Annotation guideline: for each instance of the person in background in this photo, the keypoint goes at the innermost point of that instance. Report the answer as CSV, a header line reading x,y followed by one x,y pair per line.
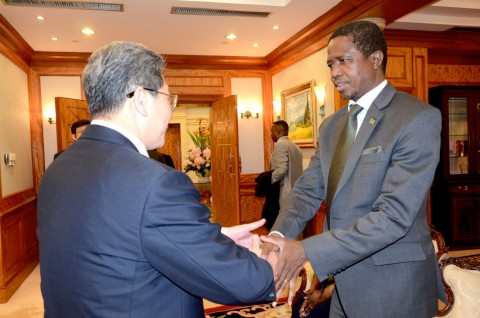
x,y
376,240
77,130
161,157
122,235
315,302
285,168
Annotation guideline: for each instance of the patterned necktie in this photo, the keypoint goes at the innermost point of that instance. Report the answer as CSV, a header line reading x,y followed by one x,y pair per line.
x,y
345,142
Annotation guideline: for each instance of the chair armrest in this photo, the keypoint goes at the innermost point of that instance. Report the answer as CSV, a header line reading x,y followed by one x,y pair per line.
x,y
461,277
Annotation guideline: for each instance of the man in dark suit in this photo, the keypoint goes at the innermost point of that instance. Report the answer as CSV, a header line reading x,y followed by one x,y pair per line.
x,y
122,235
376,242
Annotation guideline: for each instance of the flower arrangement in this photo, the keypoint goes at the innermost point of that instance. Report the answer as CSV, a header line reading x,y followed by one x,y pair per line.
x,y
198,158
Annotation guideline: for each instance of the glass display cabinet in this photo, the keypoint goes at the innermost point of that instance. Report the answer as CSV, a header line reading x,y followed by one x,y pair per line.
x,y
455,194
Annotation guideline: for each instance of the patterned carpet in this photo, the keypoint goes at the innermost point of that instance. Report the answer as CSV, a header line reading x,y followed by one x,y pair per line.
x,y
259,311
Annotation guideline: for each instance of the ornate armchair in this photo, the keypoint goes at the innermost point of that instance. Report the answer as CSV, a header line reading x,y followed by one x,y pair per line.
x,y
461,278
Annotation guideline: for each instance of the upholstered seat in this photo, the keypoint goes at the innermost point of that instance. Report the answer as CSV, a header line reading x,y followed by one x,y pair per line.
x,y
461,277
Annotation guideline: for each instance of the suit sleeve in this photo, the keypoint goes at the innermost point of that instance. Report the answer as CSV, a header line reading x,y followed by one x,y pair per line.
x,y
180,242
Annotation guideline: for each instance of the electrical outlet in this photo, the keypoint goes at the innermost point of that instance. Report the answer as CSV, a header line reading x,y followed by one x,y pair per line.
x,y
10,158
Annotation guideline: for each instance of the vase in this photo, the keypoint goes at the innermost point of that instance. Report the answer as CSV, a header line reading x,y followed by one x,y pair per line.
x,y
202,179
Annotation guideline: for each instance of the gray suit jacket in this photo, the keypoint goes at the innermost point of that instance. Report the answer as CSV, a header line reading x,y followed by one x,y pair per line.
x,y
379,247
286,163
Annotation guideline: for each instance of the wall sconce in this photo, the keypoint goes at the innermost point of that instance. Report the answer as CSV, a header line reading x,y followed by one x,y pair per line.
x,y
50,115
320,96
248,114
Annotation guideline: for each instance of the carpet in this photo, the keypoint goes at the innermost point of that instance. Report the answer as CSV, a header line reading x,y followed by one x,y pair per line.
x,y
259,311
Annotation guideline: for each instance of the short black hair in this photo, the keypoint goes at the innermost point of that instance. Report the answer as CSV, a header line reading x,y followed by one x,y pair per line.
x,y
366,36
79,123
282,124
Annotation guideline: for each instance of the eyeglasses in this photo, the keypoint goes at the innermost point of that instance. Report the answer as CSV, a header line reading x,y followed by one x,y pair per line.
x,y
172,98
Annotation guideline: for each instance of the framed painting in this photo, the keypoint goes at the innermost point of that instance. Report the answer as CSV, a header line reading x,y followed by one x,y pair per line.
x,y
298,110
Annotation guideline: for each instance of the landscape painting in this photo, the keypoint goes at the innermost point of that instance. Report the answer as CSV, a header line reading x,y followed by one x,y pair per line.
x,y
298,110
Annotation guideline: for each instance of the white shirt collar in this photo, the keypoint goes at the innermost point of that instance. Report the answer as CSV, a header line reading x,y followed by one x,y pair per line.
x,y
135,141
366,100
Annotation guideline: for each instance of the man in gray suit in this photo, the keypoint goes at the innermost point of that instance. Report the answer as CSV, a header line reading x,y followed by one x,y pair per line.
x,y
286,161
378,245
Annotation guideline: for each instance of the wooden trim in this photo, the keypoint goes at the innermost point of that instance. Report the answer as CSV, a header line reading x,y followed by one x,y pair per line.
x,y
315,36
460,40
445,74
16,199
36,127
420,73
13,46
216,62
70,60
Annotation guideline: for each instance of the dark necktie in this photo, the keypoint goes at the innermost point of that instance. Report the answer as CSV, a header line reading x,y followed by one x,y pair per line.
x,y
345,142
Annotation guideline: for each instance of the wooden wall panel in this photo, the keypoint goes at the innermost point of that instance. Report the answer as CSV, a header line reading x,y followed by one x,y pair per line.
x,y
400,66
420,73
19,244
446,74
250,205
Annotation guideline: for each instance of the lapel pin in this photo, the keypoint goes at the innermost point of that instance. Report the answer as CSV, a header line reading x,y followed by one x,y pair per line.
x,y
372,121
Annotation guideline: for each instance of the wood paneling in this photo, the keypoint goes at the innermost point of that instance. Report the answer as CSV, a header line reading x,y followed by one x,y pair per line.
x,y
68,111
250,205
400,67
216,62
315,36
18,241
446,74
173,145
36,127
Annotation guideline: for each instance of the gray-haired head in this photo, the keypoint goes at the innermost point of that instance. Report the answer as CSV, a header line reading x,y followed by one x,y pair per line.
x,y
115,70
367,37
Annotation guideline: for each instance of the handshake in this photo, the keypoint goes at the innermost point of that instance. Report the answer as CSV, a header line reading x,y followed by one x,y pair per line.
x,y
287,257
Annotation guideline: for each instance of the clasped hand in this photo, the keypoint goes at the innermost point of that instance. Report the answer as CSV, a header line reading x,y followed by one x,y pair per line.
x,y
287,257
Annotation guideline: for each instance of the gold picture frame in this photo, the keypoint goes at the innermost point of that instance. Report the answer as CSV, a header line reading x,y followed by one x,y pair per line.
x,y
299,111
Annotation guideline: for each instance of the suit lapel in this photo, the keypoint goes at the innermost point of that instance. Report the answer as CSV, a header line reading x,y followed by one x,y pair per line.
x,y
369,124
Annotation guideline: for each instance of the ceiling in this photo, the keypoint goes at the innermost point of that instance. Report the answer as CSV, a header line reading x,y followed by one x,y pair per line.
x,y
150,22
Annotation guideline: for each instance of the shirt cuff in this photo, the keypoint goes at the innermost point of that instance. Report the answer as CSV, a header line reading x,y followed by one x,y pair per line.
x,y
276,232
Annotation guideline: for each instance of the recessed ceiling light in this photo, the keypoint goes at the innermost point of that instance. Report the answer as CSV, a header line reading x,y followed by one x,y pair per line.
x,y
231,36
54,38
40,17
88,31
276,27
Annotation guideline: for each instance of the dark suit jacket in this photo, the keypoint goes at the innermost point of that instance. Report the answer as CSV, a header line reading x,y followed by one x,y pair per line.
x,y
122,235
161,157
379,247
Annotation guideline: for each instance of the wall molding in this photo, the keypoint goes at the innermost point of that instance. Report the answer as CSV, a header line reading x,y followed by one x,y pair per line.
x,y
445,74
